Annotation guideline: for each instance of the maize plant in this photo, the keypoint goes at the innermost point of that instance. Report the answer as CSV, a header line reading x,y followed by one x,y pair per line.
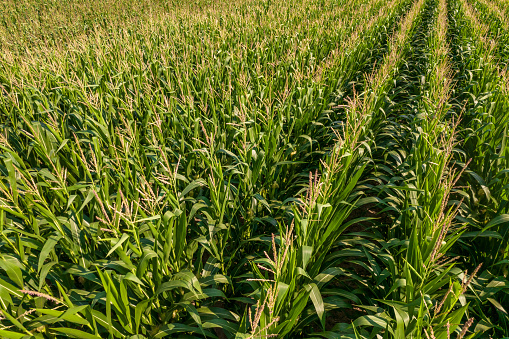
x,y
254,169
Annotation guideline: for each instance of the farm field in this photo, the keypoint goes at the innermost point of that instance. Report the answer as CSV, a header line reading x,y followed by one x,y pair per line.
x,y
254,169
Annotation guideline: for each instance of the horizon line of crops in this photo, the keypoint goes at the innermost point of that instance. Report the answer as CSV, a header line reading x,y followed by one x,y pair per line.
x,y
106,35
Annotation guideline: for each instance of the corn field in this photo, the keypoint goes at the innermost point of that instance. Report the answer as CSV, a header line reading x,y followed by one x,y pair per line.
x,y
254,169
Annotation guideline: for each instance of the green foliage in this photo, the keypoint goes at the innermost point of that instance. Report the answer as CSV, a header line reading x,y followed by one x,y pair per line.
x,y
253,169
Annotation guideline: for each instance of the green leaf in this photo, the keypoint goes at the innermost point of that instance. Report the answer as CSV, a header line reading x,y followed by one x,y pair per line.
x,y
131,277
74,333
47,248
501,219
327,275
138,311
124,237
497,305
10,288
175,328
316,298
307,252
171,285
11,335
371,320
10,266
295,311
180,234
64,316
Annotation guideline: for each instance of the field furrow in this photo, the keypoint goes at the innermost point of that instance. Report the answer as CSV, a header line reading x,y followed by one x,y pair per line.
x,y
414,179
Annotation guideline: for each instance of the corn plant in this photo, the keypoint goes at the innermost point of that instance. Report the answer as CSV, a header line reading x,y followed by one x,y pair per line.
x,y
253,168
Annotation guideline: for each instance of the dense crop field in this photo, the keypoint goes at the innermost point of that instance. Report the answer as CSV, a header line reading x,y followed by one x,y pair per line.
x,y
254,169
